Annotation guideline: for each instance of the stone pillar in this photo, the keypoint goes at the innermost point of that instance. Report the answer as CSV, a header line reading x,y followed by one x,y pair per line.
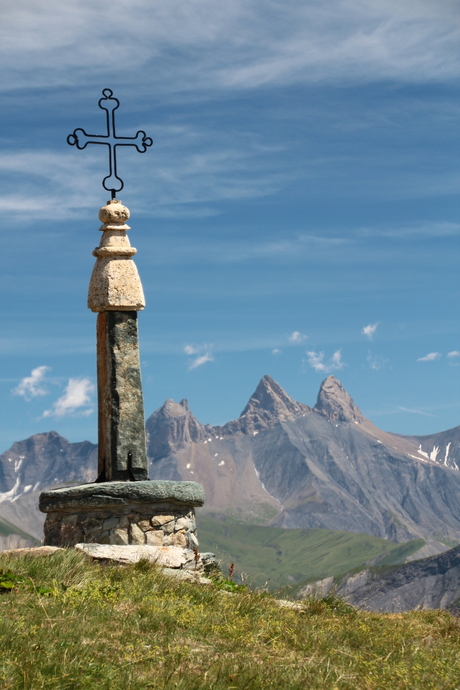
x,y
115,292
122,508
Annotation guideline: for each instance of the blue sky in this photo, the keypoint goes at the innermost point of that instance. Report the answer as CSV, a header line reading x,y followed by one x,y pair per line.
x,y
297,215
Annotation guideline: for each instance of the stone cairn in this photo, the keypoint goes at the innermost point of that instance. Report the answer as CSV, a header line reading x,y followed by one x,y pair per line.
x,y
122,507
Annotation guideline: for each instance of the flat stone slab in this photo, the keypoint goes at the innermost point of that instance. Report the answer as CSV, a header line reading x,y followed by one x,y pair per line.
x,y
165,556
32,551
107,494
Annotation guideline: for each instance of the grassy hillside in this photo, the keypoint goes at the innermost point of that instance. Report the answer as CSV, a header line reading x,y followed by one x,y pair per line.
x,y
6,528
67,623
279,557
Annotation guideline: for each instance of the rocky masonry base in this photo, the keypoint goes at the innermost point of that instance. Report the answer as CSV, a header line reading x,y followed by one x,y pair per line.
x,y
163,524
157,513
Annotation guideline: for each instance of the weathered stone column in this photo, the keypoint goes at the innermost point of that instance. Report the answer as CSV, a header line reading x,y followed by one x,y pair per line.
x,y
115,292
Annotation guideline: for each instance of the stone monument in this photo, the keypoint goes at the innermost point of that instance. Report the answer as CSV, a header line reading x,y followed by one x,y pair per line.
x,y
122,507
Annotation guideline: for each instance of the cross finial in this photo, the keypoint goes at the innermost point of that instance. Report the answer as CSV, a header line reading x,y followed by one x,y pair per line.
x,y
79,138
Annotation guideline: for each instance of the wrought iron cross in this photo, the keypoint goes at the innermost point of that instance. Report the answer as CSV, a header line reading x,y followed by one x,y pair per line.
x,y
79,138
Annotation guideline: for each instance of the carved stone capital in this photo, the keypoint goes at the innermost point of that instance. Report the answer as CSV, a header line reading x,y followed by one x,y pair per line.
x,y
115,284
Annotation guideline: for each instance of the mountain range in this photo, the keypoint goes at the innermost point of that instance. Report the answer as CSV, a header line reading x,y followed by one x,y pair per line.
x,y
281,463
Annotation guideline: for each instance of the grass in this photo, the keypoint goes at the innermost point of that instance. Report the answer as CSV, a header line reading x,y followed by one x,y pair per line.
x,y
284,557
132,627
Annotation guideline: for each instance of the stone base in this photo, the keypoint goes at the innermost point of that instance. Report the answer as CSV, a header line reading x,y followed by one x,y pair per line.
x,y
153,513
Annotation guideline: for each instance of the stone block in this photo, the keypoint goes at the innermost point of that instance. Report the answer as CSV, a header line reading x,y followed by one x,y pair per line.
x,y
192,541
111,522
154,537
122,493
185,523
159,520
177,539
69,534
168,527
119,537
145,525
91,523
70,520
166,556
103,538
136,535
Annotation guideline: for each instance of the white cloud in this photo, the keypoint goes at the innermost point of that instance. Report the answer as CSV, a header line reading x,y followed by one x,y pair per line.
x,y
190,350
297,338
32,386
199,361
203,352
376,362
430,357
369,330
316,361
276,351
454,353
76,395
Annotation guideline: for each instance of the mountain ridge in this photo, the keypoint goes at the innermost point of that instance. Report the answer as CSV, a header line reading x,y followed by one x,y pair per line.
x,y
281,463
427,583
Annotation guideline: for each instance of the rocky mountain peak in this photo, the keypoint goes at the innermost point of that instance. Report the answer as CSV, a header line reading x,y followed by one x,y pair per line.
x,y
270,397
335,403
42,460
174,409
171,427
268,405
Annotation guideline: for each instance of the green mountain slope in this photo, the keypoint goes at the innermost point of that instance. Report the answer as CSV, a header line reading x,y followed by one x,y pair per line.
x,y
281,557
7,528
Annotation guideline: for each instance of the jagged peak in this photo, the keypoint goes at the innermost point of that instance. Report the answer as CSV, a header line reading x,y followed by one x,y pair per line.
x,y
336,404
171,427
270,397
170,408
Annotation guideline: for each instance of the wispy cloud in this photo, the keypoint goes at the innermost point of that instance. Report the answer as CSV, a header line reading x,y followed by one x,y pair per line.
x,y
239,44
412,411
203,355
296,249
276,351
76,395
427,229
369,330
54,182
210,169
430,357
454,353
202,359
376,362
317,362
32,386
297,338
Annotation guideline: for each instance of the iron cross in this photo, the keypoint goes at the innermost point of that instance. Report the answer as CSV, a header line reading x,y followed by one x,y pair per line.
x,y
79,138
